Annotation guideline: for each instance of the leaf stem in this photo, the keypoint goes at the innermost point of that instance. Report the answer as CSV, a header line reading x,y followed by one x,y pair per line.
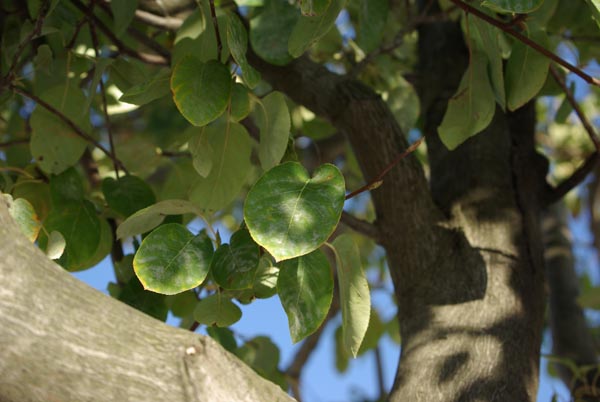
x,y
215,22
509,29
377,181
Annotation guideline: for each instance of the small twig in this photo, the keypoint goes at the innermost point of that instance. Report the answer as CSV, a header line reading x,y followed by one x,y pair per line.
x,y
215,22
377,181
584,121
175,154
574,180
508,28
78,27
78,130
158,21
103,96
13,142
379,368
361,226
37,29
145,57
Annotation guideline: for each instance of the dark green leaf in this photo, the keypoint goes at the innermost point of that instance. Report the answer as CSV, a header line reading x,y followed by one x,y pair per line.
x,y
224,336
305,287
127,194
308,30
371,22
313,8
270,30
513,6
217,310
291,214
66,187
171,260
155,88
234,265
240,103
237,38
148,302
123,13
273,119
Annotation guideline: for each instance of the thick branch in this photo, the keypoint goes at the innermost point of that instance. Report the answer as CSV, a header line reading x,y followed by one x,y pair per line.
x,y
61,340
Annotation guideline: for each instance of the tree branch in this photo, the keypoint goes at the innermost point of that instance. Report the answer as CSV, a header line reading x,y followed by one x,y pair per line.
x,y
361,226
78,130
509,29
573,181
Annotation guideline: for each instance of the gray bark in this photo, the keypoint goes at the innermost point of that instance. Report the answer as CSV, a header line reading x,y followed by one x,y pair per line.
x,y
61,340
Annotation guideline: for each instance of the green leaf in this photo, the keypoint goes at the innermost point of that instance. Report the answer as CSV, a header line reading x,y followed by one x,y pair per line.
x,y
291,214
313,8
472,108
66,187
308,30
104,245
355,298
371,23
305,287
24,214
148,302
590,298
234,265
273,120
171,260
231,147
595,7
56,245
80,226
270,30
123,12
156,87
201,150
182,304
148,218
240,105
262,355
217,310
127,194
237,38
224,336
200,90
486,38
265,279
375,331
512,6
54,145
526,71
341,357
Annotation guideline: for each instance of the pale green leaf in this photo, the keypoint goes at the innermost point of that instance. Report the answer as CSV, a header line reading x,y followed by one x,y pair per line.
x,y
513,6
355,298
200,90
54,145
305,287
308,30
472,108
156,87
590,298
595,7
291,214
273,120
56,245
171,260
237,38
24,214
148,218
526,71
234,265
231,146
217,310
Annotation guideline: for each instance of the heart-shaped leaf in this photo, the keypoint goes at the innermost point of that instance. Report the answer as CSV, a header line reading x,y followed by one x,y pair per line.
x,y
200,90
305,287
171,260
234,265
291,214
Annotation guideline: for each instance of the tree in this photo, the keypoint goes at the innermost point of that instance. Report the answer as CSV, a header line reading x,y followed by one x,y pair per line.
x,y
124,121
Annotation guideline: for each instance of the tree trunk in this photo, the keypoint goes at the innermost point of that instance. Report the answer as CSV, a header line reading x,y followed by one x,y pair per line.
x,y
61,340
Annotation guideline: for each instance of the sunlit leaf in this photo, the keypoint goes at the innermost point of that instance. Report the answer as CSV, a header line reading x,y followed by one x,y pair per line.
x,y
355,298
291,214
56,245
200,90
513,6
171,260
265,279
25,217
305,287
217,310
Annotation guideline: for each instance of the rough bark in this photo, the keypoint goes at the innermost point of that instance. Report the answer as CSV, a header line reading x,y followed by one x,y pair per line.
x,y
61,340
